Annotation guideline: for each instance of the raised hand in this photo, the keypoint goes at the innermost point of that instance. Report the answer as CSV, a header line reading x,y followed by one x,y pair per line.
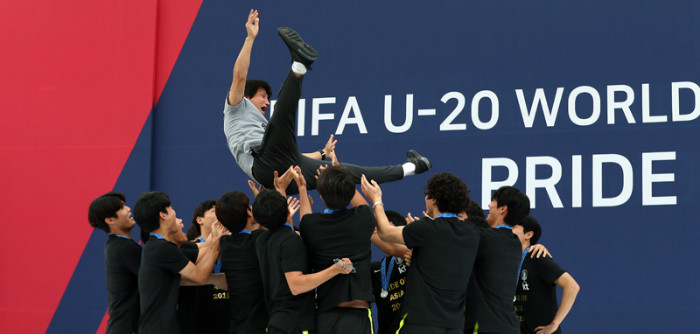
x,y
371,190
251,26
254,187
282,182
330,145
334,159
293,206
299,177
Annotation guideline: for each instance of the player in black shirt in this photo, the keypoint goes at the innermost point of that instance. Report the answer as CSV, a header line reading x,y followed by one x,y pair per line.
x,y
389,285
490,301
203,308
240,263
344,301
444,249
285,269
536,296
162,263
122,260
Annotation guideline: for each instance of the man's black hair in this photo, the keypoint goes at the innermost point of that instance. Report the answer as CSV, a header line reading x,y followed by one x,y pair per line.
x,y
104,207
474,210
270,209
147,211
232,210
449,191
199,212
193,232
336,185
530,224
517,202
252,86
395,218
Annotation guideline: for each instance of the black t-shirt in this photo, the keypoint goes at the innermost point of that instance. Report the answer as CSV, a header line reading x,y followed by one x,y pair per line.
x,y
492,287
281,251
188,296
159,283
536,295
122,261
389,310
202,308
344,233
443,256
240,264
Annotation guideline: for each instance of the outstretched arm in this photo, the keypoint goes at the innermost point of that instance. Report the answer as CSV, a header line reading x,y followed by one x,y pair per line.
x,y
240,69
300,283
304,202
386,231
199,273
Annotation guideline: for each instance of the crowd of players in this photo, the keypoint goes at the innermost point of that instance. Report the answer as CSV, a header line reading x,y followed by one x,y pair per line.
x,y
249,268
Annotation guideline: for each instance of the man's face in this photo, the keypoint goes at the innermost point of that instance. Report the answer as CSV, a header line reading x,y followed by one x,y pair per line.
x,y
430,206
208,220
260,100
172,223
494,212
124,221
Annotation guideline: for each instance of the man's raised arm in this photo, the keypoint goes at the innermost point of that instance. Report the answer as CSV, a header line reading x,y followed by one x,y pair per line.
x,y
240,69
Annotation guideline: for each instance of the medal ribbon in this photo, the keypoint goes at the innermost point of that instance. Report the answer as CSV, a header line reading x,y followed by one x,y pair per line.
x,y
385,277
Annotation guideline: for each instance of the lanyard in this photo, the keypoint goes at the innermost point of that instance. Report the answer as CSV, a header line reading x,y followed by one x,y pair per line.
x,y
244,231
118,235
521,262
290,226
201,239
158,236
331,210
504,226
385,277
447,214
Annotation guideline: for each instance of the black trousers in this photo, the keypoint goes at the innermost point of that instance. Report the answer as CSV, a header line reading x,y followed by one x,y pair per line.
x,y
279,148
344,320
420,329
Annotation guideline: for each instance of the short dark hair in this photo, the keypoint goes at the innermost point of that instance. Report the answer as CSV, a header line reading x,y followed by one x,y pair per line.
x,y
147,210
474,210
478,222
232,210
530,224
104,207
199,212
336,185
449,191
517,202
270,209
395,218
193,232
253,85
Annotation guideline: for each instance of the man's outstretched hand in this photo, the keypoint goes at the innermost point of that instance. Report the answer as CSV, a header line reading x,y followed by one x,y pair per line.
x,y
330,145
251,26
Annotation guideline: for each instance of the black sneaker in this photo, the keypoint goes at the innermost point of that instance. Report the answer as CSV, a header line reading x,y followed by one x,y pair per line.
x,y
422,163
300,51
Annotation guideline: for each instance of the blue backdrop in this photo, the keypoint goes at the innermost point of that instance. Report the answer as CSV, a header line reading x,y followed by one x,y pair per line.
x,y
608,153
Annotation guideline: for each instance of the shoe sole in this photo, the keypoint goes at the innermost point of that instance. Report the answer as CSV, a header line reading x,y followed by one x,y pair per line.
x,y
294,42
